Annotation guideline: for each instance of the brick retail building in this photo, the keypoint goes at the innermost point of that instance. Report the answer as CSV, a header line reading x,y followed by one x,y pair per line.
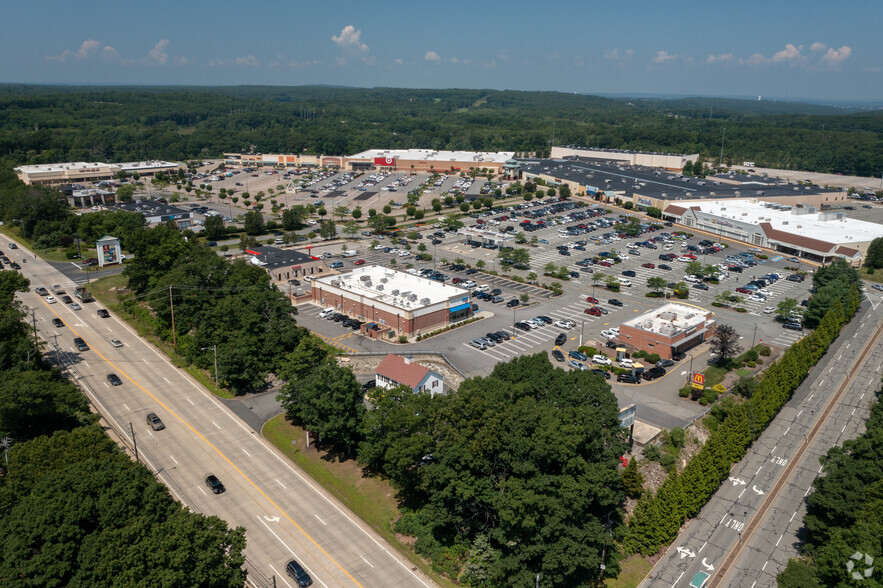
x,y
672,328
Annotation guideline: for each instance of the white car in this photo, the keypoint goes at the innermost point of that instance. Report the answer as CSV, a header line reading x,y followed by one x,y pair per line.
x,y
326,313
51,299
404,254
769,310
610,334
116,342
467,284
624,257
626,362
483,288
756,298
692,278
684,259
756,250
625,283
379,246
764,292
601,360
311,222
564,324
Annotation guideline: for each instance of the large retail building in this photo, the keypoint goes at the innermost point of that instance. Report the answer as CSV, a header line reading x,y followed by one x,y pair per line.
x,y
802,231
403,303
668,161
56,174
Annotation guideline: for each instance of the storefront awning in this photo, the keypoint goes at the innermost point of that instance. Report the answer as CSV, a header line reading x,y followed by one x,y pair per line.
x,y
460,307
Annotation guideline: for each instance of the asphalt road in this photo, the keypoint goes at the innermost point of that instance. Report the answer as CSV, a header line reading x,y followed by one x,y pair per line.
x,y
286,515
745,503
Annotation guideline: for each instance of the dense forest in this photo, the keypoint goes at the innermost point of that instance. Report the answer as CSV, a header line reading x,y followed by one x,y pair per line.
x,y
40,124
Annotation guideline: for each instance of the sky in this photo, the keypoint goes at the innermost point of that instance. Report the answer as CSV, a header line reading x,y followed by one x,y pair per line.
x,y
784,49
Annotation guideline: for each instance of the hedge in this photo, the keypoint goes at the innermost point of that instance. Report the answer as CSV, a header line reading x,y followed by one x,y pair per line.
x,y
658,516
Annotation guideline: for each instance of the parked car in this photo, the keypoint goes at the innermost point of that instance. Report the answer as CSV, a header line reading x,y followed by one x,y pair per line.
x,y
603,373
478,344
700,286
561,339
627,379
793,326
591,300
576,354
523,326
614,302
601,360
653,373
565,324
576,365
513,303
610,333
556,353
664,363
592,311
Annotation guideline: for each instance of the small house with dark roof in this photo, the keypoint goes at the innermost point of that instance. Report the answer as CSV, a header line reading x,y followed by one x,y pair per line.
x,y
395,370
285,265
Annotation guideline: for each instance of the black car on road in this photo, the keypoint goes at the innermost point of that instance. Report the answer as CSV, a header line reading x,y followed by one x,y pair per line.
x,y
214,484
114,380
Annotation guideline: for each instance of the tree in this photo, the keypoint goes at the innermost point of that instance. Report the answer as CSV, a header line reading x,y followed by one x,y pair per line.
x,y
125,193
436,206
476,204
327,229
419,214
464,207
694,268
656,284
564,191
519,256
351,228
874,257
309,354
725,342
786,307
293,218
328,403
632,480
654,212
357,213
550,192
254,223
214,228
321,211
381,223
521,238
387,209
451,223
340,212
688,168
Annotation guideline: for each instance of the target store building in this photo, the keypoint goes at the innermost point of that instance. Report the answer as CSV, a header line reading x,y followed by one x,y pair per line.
x,y
426,160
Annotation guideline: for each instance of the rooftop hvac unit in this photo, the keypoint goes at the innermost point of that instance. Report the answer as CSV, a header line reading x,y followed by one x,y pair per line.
x,y
424,301
784,222
412,297
712,194
395,292
383,280
367,284
406,294
799,226
796,189
380,287
335,283
365,278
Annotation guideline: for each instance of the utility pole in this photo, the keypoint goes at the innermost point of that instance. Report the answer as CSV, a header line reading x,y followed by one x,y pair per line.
x,y
754,337
6,444
134,441
172,305
724,134
34,321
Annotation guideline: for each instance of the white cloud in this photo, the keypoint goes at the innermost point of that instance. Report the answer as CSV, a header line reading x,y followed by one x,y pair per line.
x,y
350,37
663,56
722,58
454,60
834,57
87,49
504,56
789,53
432,56
755,59
110,53
400,61
818,47
248,60
158,53
615,55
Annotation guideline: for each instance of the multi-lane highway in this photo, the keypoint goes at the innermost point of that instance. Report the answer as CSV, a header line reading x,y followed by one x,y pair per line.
x,y
747,532
286,515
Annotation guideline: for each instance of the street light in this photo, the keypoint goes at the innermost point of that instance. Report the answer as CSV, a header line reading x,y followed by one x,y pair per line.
x,y
215,349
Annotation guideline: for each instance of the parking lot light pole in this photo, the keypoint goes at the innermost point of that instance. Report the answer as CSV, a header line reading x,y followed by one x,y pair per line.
x,y
582,330
215,349
514,330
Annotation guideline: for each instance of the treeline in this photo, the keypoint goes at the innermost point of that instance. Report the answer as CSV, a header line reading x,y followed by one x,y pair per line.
x,y
658,516
41,124
232,305
844,514
510,476
74,509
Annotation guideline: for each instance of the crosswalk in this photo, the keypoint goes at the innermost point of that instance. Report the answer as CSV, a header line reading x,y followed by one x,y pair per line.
x,y
522,342
787,338
777,258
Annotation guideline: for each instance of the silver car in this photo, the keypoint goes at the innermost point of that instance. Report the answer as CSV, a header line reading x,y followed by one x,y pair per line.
x,y
478,344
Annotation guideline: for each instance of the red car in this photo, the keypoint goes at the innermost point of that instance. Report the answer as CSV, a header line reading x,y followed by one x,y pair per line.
x,y
744,291
606,263
360,262
592,299
592,311
648,265
689,256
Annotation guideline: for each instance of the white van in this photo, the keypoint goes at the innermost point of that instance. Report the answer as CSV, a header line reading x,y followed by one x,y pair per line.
x,y
327,312
349,254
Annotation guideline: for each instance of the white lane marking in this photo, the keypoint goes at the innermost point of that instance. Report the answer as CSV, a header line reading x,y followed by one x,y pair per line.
x,y
786,431
792,516
216,424
773,449
853,411
320,520
167,380
703,547
821,382
799,413
679,577
807,491
291,551
366,561
279,575
127,408
191,402
742,492
245,452
768,561
201,490
843,429
758,470
810,397
830,368
86,363
144,360
173,458
280,483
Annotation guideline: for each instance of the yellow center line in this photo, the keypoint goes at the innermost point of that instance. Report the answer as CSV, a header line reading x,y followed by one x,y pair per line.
x,y
219,452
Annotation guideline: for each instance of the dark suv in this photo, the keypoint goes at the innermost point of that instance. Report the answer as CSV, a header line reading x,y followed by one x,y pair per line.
x,y
80,344
214,484
298,574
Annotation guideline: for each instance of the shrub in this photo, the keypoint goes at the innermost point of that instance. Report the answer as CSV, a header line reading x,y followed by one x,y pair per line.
x,y
719,388
765,351
710,396
676,437
750,364
639,353
696,393
762,256
751,355
716,304
740,309
684,392
703,401
652,453
652,357
590,351
668,461
403,339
